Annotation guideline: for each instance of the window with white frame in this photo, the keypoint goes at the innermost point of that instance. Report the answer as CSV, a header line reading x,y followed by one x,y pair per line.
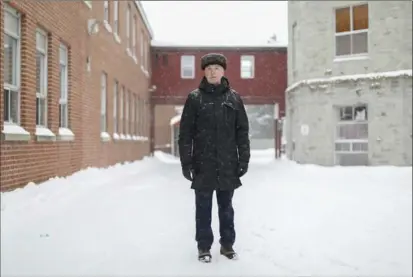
x,y
351,142
64,76
103,107
135,21
145,54
11,65
133,111
352,24
127,99
115,107
41,78
187,67
247,67
121,109
116,17
106,11
142,48
128,28
137,117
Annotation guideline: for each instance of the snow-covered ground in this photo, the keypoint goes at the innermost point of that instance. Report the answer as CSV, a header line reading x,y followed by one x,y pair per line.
x,y
138,220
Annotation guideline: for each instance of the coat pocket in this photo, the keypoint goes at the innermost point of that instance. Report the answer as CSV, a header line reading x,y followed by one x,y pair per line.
x,y
230,112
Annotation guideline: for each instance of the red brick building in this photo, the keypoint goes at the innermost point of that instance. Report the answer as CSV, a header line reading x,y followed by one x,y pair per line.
x,y
259,74
76,83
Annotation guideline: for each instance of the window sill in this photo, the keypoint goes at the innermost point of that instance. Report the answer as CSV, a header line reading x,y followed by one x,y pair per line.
x,y
116,136
351,58
104,136
12,132
128,137
66,134
107,26
117,38
140,138
44,134
145,72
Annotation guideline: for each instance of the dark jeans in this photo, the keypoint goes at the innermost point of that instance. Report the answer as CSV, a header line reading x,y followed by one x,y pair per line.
x,y
203,202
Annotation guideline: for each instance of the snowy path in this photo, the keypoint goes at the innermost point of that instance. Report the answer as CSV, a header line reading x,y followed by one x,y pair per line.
x,y
138,219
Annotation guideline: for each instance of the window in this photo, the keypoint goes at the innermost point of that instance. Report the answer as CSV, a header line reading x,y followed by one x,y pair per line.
x,y
11,65
138,118
135,21
128,29
127,103
106,11
122,103
41,78
63,101
142,47
247,67
187,67
115,107
103,95
351,144
133,111
115,17
352,25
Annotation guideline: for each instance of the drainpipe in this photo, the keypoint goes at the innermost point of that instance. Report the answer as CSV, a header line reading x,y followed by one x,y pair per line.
x,y
151,121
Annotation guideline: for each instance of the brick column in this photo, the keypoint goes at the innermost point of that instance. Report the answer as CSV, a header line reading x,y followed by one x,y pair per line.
x,y
28,78
53,83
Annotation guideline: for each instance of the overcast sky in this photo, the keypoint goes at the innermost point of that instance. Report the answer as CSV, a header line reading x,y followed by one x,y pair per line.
x,y
217,22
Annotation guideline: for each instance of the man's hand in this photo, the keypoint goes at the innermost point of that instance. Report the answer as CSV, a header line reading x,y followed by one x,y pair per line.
x,y
242,169
188,173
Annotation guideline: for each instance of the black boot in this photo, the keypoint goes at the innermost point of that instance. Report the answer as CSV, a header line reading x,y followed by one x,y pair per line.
x,y
228,252
204,255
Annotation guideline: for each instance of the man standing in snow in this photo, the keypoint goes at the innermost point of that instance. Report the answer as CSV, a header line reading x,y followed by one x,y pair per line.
x,y
214,150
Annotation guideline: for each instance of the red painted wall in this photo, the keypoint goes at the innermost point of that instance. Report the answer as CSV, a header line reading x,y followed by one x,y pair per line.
x,y
267,87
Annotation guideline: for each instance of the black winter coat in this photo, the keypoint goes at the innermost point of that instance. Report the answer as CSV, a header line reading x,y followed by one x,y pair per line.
x,y
214,136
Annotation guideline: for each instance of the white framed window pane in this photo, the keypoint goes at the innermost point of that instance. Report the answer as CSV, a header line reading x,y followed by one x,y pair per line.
x,y
11,23
41,111
11,105
63,115
352,131
360,43
40,73
343,45
62,54
10,60
352,159
106,10
41,42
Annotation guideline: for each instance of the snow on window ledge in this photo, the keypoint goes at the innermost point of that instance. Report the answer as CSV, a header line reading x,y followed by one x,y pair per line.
x,y
15,132
65,134
107,26
44,134
140,138
122,137
145,72
116,136
128,137
104,136
117,38
350,58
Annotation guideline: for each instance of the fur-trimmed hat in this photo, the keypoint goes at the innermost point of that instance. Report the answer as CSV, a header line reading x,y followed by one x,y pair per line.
x,y
213,58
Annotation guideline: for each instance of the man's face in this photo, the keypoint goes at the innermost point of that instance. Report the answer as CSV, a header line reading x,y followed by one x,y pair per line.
x,y
214,73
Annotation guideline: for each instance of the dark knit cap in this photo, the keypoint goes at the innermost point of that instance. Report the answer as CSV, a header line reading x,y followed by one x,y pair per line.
x,y
213,58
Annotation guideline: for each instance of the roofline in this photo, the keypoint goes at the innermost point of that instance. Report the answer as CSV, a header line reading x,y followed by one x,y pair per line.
x,y
144,17
178,48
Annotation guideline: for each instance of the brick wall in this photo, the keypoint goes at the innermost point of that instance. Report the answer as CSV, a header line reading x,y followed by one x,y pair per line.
x,y
29,160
